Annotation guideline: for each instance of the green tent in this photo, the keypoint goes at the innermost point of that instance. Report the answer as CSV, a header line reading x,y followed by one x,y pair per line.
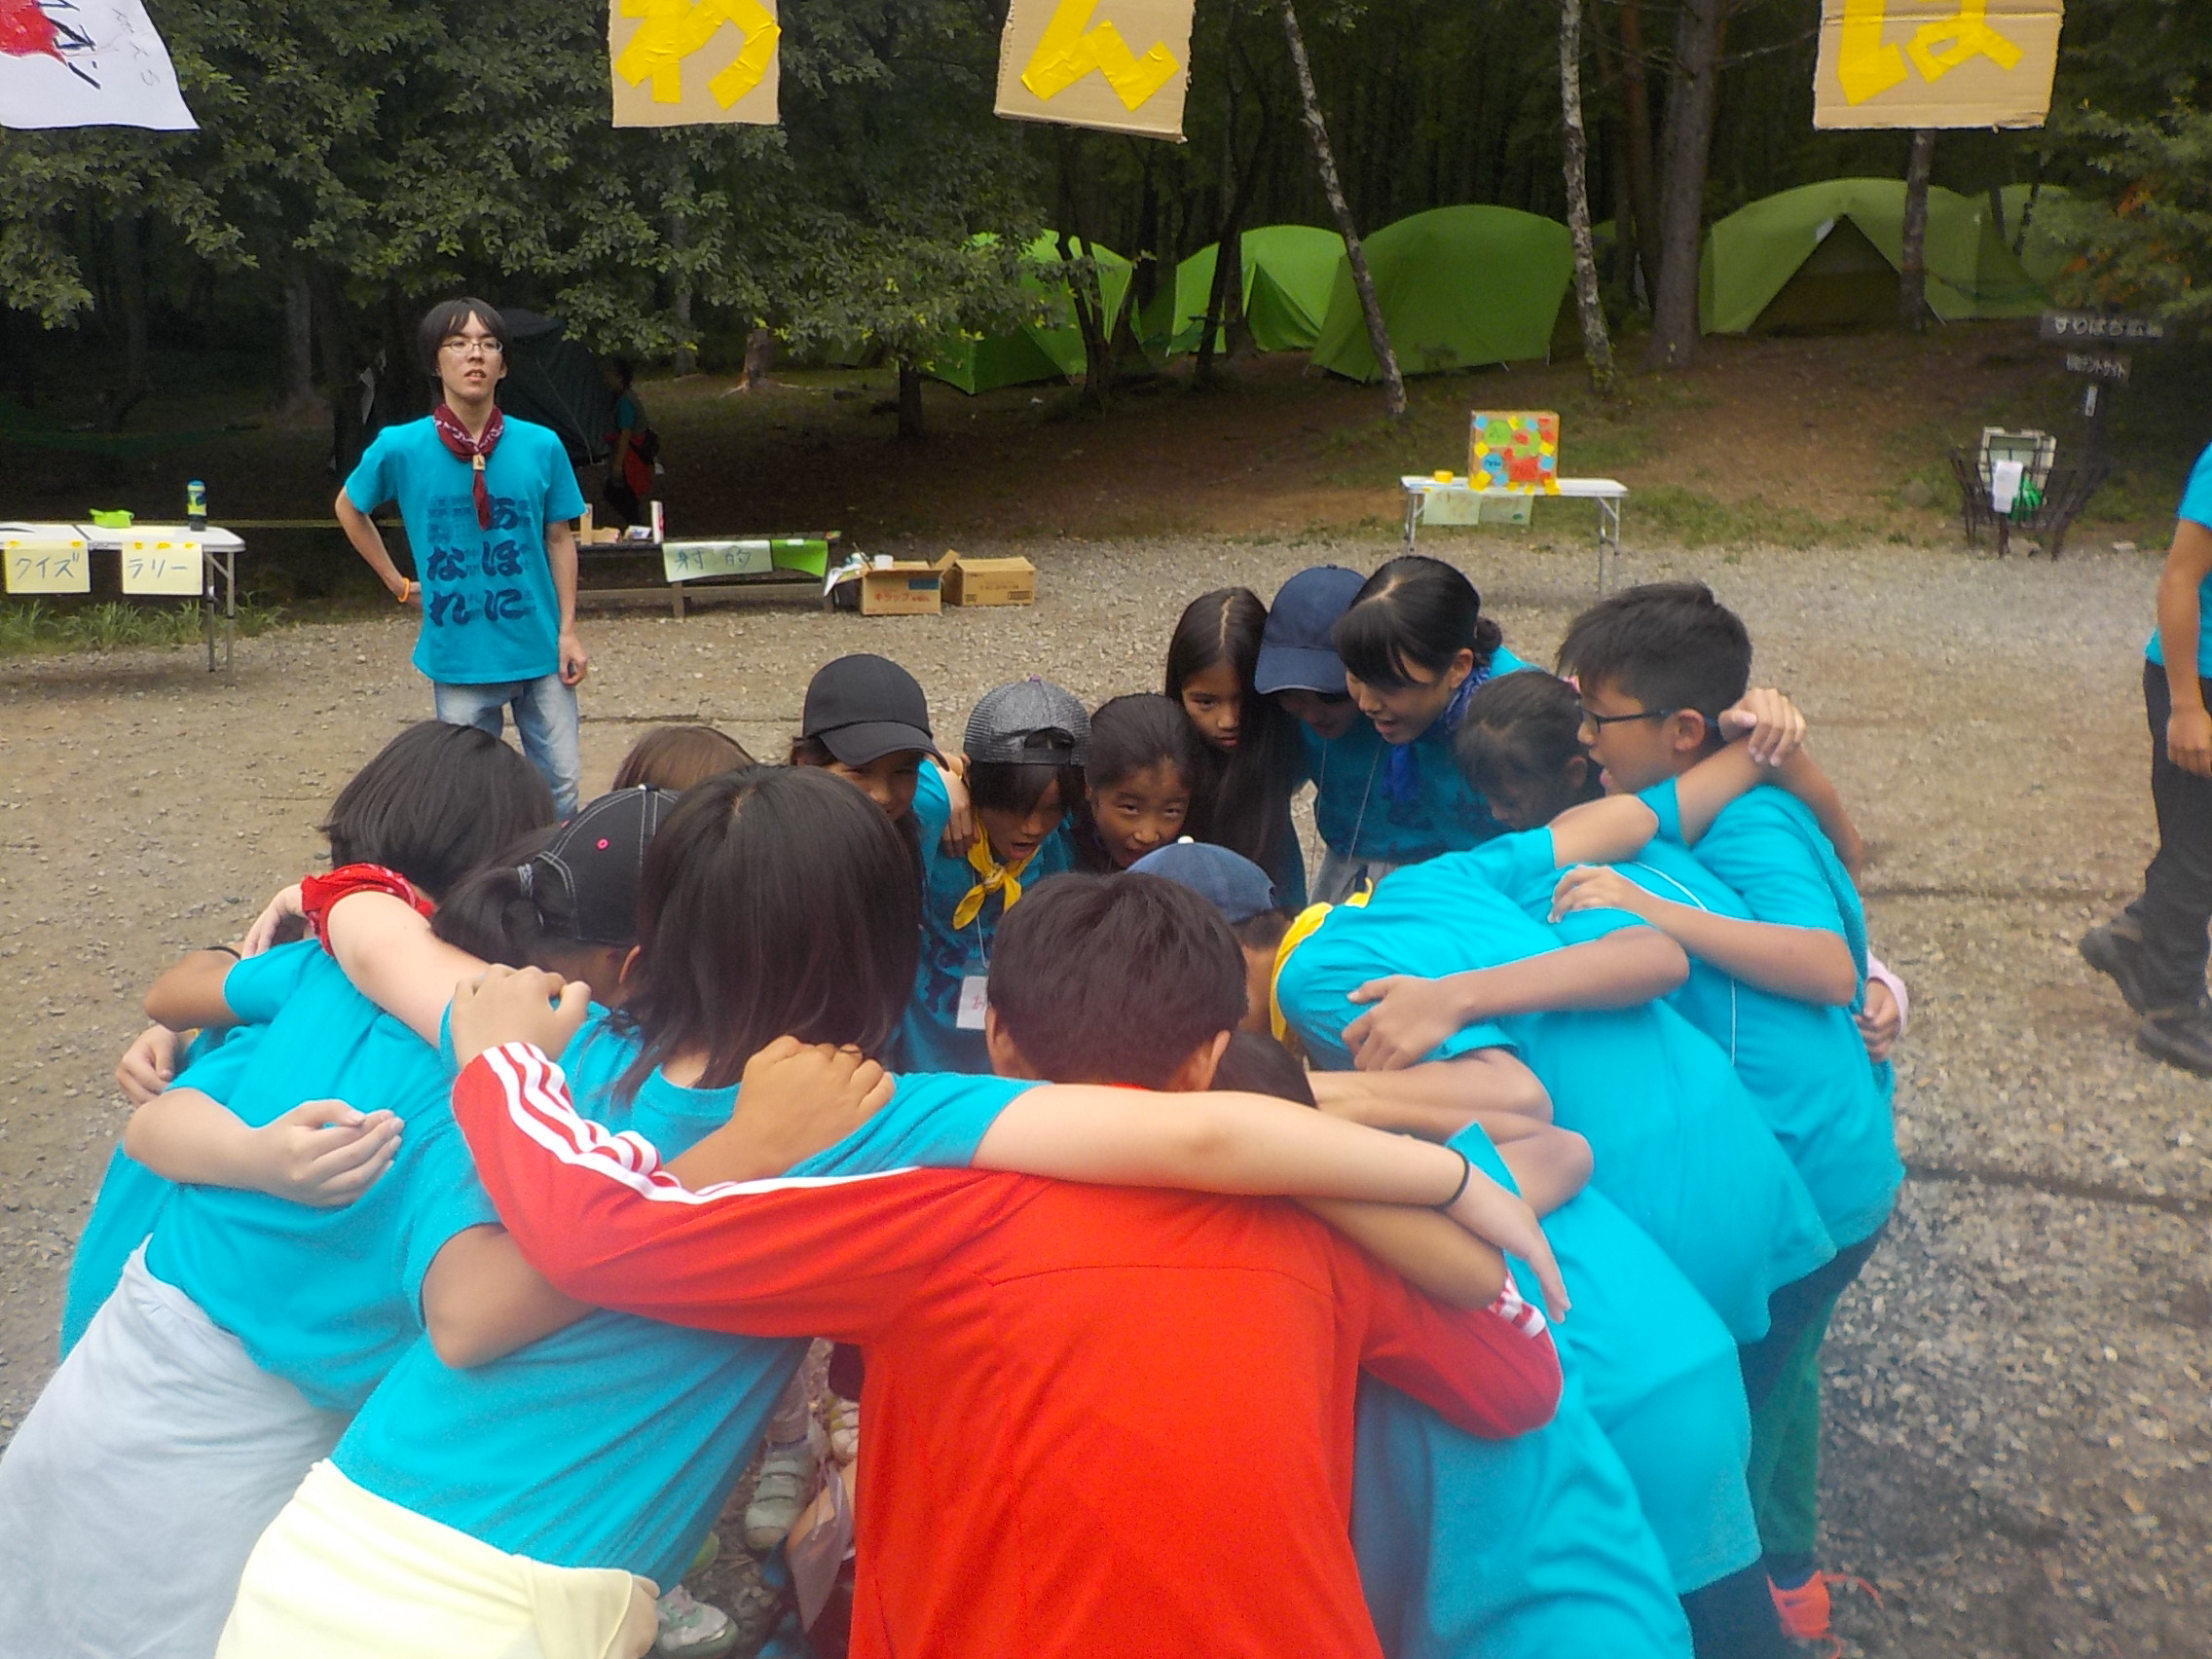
x,y
1826,256
1051,350
1458,286
2043,253
1288,273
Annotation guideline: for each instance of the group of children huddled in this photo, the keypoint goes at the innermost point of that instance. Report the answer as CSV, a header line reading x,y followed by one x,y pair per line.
x,y
494,1223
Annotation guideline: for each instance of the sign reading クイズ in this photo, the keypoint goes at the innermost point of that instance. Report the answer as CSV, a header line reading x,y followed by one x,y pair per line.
x,y
1935,63
677,62
1119,65
46,562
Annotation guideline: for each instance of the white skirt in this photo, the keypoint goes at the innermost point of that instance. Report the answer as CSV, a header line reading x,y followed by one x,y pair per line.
x,y
343,1574
133,1491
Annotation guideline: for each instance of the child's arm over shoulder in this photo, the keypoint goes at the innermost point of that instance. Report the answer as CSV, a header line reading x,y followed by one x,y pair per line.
x,y
189,994
322,1153
481,1300
1493,1374
386,949
1428,1251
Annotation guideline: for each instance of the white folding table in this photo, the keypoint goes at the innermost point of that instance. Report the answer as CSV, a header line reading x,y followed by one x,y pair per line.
x,y
1431,501
219,550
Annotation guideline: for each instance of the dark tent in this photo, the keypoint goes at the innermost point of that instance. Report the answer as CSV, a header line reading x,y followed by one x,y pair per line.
x,y
554,381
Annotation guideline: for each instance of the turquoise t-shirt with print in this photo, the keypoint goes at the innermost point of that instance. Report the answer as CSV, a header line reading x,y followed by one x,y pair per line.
x,y
1679,1145
489,609
1829,1105
2196,507
132,1197
326,1298
612,1443
930,1038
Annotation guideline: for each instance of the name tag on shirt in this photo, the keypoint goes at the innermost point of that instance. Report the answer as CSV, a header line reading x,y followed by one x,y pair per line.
x,y
972,1001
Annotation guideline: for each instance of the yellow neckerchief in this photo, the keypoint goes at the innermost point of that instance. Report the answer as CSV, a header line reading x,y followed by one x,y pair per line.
x,y
995,877
1308,923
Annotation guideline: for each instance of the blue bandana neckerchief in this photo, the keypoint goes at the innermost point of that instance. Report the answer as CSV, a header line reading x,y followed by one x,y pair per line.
x,y
1401,776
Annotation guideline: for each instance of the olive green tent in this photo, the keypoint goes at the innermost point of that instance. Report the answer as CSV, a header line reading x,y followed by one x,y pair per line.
x,y
1288,271
1047,351
1458,286
1826,255
2043,253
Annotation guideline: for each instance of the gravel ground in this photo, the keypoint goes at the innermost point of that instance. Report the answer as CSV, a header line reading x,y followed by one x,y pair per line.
x,y
2020,1431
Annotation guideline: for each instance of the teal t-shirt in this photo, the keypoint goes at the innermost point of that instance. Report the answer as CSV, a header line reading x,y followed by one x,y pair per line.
x,y
132,1197
1679,1145
930,1038
489,609
326,1298
612,1443
1806,1063
1355,812
2196,507
1658,1371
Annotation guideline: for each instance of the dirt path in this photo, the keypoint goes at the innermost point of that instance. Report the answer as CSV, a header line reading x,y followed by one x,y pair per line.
x,y
2021,1434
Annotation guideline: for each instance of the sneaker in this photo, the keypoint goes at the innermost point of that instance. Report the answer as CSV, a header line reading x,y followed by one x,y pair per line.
x,y
1804,1610
2115,950
690,1629
2179,1036
784,1489
844,1418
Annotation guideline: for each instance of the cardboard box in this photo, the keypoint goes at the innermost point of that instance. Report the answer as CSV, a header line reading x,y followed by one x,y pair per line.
x,y
988,581
903,587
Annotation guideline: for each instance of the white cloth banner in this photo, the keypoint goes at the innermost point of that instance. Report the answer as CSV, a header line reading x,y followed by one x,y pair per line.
x,y
86,63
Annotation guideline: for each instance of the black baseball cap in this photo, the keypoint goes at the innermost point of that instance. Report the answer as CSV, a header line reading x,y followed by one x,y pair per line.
x,y
596,858
1295,653
861,708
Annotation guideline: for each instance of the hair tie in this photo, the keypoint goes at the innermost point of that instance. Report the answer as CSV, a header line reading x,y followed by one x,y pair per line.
x,y
527,875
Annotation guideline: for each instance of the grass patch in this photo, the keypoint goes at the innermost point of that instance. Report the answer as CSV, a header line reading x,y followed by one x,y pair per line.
x,y
33,625
1695,519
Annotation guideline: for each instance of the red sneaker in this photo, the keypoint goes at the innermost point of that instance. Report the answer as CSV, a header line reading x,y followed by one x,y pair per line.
x,y
1804,1610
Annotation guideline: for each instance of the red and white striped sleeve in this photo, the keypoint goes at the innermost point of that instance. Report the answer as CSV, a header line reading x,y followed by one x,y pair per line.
x,y
595,1212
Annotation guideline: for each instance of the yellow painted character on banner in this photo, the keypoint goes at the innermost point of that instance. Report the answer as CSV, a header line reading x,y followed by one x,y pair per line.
x,y
672,31
1068,52
1867,67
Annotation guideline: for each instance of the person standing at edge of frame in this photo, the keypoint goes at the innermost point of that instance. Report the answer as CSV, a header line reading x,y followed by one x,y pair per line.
x,y
487,502
2155,950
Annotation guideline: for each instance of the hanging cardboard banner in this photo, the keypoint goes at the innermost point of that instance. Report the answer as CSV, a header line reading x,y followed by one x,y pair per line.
x,y
682,62
86,63
1935,63
1119,65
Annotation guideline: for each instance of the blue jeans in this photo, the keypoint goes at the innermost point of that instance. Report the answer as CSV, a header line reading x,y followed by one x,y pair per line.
x,y
545,719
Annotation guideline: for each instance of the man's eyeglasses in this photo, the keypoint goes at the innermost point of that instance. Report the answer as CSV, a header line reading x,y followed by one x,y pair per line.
x,y
461,345
1599,722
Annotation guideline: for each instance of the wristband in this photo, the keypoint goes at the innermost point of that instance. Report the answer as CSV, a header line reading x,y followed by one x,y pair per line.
x,y
1466,1174
230,950
318,893
406,588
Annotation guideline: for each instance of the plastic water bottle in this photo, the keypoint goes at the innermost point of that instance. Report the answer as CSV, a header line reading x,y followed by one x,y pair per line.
x,y
195,505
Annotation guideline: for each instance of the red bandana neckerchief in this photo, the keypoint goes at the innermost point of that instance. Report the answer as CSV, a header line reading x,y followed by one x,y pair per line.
x,y
475,450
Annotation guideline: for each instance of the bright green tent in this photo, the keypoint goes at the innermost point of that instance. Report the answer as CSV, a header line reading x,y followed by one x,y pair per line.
x,y
1288,273
2041,251
1826,256
1458,286
1051,350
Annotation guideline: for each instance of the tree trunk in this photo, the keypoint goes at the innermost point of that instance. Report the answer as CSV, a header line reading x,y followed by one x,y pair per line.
x,y
130,301
1084,289
1325,160
686,357
909,398
1912,273
1225,323
299,339
339,366
1597,345
1690,101
1643,192
760,357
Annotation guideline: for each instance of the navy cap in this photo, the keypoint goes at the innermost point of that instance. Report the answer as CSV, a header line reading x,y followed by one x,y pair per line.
x,y
1295,653
1231,882
597,857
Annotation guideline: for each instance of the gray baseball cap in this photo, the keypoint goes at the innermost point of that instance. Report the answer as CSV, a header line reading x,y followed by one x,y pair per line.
x,y
1029,722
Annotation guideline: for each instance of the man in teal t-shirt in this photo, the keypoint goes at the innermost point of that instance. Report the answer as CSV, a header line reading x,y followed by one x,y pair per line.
x,y
486,501
2154,949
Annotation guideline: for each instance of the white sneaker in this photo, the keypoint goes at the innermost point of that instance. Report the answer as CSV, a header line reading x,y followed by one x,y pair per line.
x,y
690,1629
844,1422
784,1488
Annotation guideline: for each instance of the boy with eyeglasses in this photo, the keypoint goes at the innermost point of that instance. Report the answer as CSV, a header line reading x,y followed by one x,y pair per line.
x,y
487,502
